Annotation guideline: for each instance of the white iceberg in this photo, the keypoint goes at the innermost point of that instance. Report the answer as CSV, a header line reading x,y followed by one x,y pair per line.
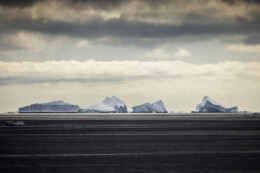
x,y
210,106
58,106
108,105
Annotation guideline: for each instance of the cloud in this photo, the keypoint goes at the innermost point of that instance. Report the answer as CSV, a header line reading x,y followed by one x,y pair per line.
x,y
252,40
135,11
244,48
160,53
133,22
33,41
182,53
38,42
23,3
179,84
82,43
111,71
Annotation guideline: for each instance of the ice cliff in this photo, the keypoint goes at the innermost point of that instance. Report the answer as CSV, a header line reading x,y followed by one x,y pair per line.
x,y
51,107
108,105
156,107
209,105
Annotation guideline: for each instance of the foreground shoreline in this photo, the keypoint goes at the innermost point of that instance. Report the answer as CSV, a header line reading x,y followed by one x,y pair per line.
x,y
130,143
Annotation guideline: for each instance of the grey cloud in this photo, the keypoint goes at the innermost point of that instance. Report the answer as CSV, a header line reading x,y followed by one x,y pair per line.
x,y
103,3
232,2
7,47
24,3
95,80
120,71
6,81
252,40
100,80
19,3
121,30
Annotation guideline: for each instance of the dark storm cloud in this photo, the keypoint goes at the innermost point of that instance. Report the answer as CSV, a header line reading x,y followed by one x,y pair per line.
x,y
97,3
103,3
21,3
123,29
232,2
253,40
131,28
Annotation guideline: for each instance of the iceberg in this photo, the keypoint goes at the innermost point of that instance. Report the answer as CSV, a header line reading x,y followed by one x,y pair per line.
x,y
159,107
144,108
210,106
58,106
156,107
98,108
12,123
108,105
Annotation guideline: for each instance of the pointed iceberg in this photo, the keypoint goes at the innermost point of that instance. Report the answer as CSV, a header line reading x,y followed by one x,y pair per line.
x,y
156,107
210,106
58,106
108,105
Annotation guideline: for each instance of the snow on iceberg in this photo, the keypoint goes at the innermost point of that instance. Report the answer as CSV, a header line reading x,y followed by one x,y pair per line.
x,y
156,107
58,106
209,105
108,105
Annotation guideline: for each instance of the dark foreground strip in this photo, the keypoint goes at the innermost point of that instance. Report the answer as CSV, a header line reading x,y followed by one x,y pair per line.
x,y
141,134
131,154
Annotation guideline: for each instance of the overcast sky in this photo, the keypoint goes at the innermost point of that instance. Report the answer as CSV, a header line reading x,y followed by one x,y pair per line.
x,y
81,51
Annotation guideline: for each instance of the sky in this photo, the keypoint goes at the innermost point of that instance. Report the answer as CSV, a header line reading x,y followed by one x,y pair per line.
x,y
81,51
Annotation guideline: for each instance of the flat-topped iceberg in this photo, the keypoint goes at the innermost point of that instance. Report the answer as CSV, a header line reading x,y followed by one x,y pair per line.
x,y
210,106
108,105
58,106
156,107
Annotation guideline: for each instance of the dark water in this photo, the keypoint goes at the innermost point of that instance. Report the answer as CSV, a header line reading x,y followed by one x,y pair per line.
x,y
119,143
